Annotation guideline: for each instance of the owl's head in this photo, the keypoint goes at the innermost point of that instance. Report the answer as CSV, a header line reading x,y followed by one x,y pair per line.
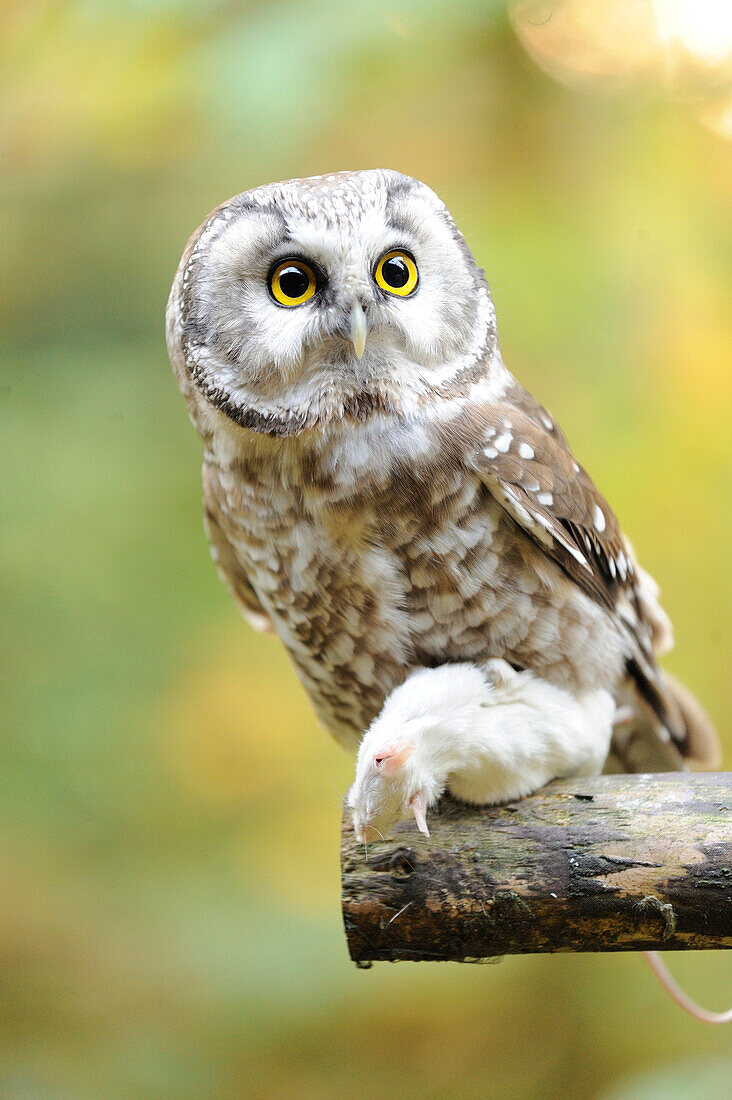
x,y
300,302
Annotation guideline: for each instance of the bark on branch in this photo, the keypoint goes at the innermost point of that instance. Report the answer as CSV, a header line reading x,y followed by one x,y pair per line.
x,y
615,863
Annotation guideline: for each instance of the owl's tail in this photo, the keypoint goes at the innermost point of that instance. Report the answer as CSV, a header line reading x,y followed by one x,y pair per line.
x,y
668,731
665,728
700,747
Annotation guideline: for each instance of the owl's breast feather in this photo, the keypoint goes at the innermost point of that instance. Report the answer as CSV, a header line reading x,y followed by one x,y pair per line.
x,y
369,565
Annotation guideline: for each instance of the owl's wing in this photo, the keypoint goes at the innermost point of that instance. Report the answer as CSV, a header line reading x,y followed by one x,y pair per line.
x,y
526,464
225,558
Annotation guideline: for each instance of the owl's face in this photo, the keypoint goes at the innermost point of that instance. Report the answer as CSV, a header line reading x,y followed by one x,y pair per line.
x,y
302,298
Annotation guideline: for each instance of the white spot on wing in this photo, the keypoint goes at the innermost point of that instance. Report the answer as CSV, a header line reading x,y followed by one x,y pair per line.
x,y
578,555
545,498
599,518
503,442
526,450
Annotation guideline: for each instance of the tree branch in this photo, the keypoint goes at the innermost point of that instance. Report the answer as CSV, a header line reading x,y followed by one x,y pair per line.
x,y
615,863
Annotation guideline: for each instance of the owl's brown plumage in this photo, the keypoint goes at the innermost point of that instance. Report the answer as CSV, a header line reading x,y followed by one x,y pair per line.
x,y
414,507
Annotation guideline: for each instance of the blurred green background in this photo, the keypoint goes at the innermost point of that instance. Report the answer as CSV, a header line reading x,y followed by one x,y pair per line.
x,y
169,809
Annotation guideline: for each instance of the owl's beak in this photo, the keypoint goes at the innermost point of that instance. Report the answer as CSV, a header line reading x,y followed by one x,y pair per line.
x,y
358,329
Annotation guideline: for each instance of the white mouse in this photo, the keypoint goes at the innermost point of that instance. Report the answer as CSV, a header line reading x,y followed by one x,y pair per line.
x,y
486,735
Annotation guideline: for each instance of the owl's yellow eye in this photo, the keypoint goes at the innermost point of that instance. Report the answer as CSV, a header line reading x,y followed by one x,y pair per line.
x,y
292,282
396,272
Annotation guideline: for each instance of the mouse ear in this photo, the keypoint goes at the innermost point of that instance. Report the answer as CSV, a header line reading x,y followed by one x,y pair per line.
x,y
390,758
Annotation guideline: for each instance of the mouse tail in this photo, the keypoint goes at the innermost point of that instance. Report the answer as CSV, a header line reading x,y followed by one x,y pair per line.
x,y
677,994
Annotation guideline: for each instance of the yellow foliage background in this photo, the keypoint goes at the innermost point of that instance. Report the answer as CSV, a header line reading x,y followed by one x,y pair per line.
x,y
169,809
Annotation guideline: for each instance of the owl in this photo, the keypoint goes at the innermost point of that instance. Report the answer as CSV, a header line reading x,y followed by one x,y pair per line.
x,y
383,494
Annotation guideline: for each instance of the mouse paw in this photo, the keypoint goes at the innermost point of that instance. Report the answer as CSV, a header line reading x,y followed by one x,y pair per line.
x,y
418,802
499,672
